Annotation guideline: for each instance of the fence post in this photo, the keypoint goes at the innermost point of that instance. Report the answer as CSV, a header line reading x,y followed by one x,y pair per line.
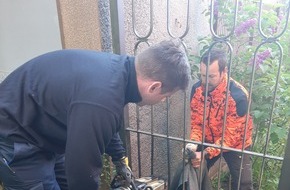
x,y
117,24
285,172
118,43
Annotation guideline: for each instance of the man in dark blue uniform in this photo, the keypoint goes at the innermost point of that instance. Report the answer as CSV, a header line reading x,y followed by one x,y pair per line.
x,y
69,104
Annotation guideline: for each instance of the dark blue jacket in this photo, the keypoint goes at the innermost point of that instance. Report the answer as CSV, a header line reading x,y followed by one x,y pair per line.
x,y
70,101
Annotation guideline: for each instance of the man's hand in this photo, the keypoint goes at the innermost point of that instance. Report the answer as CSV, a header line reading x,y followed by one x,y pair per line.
x,y
190,150
197,160
124,170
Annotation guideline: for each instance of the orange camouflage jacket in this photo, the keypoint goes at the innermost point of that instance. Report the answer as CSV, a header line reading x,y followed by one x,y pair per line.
x,y
215,107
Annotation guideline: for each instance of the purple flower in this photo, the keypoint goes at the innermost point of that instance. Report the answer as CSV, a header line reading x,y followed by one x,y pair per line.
x,y
244,26
261,57
215,8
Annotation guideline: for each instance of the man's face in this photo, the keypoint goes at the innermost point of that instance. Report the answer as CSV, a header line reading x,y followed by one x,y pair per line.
x,y
151,98
214,75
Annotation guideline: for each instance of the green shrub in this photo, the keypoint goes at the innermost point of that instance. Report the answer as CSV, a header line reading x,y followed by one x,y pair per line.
x,y
262,64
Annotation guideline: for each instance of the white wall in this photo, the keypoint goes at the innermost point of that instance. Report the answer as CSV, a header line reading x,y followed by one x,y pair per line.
x,y
27,29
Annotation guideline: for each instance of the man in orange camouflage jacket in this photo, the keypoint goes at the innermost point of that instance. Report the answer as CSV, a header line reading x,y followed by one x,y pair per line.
x,y
237,123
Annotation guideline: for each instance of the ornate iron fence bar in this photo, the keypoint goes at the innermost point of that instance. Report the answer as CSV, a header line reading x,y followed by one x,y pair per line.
x,y
260,24
152,141
217,38
168,22
138,142
137,118
167,139
142,39
205,144
214,17
265,40
145,37
273,104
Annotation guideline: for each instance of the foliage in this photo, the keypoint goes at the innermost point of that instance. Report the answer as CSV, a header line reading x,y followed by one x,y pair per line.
x,y
255,64
224,181
107,172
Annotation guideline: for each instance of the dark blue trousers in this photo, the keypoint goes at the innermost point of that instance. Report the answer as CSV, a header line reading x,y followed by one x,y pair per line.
x,y
234,162
24,166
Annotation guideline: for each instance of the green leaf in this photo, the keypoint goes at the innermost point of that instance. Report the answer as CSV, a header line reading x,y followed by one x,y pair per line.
x,y
274,138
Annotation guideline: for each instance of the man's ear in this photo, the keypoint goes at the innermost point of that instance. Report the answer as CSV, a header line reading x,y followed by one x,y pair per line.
x,y
155,87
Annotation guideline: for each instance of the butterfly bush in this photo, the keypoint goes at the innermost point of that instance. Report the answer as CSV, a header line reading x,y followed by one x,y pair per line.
x,y
261,57
245,26
267,62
